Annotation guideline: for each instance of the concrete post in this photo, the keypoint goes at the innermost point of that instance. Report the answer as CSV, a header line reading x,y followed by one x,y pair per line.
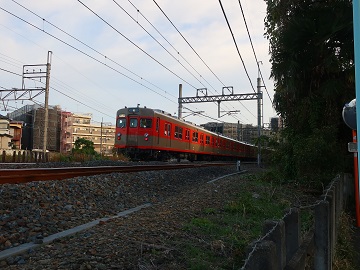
x,y
263,258
278,237
322,236
332,222
292,233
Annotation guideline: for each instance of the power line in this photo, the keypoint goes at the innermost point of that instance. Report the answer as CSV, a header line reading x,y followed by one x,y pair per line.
x,y
157,41
93,49
252,46
172,72
188,43
83,52
237,48
198,55
169,43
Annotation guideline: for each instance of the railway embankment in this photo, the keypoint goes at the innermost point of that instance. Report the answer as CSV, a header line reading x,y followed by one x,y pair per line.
x,y
196,218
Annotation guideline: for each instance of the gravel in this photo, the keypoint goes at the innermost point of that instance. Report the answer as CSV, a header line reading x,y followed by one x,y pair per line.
x,y
29,212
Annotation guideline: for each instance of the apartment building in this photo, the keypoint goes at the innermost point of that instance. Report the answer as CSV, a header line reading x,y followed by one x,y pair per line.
x,y
32,133
76,125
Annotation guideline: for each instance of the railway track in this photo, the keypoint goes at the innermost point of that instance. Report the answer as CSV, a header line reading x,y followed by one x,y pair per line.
x,y
16,176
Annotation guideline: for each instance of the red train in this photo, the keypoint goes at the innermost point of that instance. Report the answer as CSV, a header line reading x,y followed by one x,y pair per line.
x,y
144,133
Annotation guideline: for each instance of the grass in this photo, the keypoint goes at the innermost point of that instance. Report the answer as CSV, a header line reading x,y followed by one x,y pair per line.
x,y
224,234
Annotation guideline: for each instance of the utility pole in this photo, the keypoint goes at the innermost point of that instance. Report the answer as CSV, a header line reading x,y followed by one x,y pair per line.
x,y
46,124
180,103
259,114
101,136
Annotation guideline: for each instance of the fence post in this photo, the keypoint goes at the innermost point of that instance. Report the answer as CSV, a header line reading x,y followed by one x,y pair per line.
x,y
278,237
332,222
292,232
322,236
263,258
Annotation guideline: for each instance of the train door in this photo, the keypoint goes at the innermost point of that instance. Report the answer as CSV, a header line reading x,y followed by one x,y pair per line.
x,y
132,131
157,131
187,139
167,133
201,142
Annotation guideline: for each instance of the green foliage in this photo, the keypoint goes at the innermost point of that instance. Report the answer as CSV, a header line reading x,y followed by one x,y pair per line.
x,y
312,56
84,148
229,230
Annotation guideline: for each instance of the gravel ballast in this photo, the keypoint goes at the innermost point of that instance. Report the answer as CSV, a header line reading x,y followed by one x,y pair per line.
x,y
33,211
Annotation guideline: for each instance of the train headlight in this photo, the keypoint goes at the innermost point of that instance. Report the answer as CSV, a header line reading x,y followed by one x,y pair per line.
x,y
119,136
146,136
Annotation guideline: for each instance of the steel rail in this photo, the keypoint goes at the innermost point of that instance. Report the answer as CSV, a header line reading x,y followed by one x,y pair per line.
x,y
16,176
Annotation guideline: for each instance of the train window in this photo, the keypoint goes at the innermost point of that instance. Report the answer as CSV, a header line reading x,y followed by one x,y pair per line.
x,y
180,133
176,132
145,123
121,123
187,135
195,136
202,138
133,122
167,129
207,140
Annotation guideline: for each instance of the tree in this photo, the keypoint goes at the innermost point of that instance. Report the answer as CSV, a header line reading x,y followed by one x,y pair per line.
x,y
84,146
312,56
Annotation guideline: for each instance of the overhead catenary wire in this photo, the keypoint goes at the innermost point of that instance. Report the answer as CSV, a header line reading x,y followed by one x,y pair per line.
x,y
167,17
188,43
252,46
237,48
91,48
137,46
88,54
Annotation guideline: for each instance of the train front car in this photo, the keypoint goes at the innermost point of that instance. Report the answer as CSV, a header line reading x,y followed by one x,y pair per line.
x,y
134,132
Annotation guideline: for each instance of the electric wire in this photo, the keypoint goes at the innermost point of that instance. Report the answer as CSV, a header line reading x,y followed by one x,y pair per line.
x,y
197,53
237,48
157,42
88,54
91,48
80,102
188,43
252,46
170,44
162,45
116,30
98,53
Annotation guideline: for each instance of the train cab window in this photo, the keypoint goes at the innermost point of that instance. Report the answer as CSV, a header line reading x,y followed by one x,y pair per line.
x,y
145,123
133,122
121,123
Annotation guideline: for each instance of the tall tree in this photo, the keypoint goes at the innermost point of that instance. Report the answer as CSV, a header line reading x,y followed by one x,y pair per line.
x,y
312,56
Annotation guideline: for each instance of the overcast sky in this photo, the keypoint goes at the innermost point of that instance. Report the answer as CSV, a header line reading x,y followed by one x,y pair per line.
x,y
103,59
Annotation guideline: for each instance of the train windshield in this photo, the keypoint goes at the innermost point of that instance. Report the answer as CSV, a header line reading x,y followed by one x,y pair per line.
x,y
133,122
145,123
121,123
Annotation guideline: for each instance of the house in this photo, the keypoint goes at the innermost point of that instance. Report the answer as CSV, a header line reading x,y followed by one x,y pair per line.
x,y
5,136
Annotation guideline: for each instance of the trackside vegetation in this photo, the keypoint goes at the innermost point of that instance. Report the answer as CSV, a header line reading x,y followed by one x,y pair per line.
x,y
312,57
